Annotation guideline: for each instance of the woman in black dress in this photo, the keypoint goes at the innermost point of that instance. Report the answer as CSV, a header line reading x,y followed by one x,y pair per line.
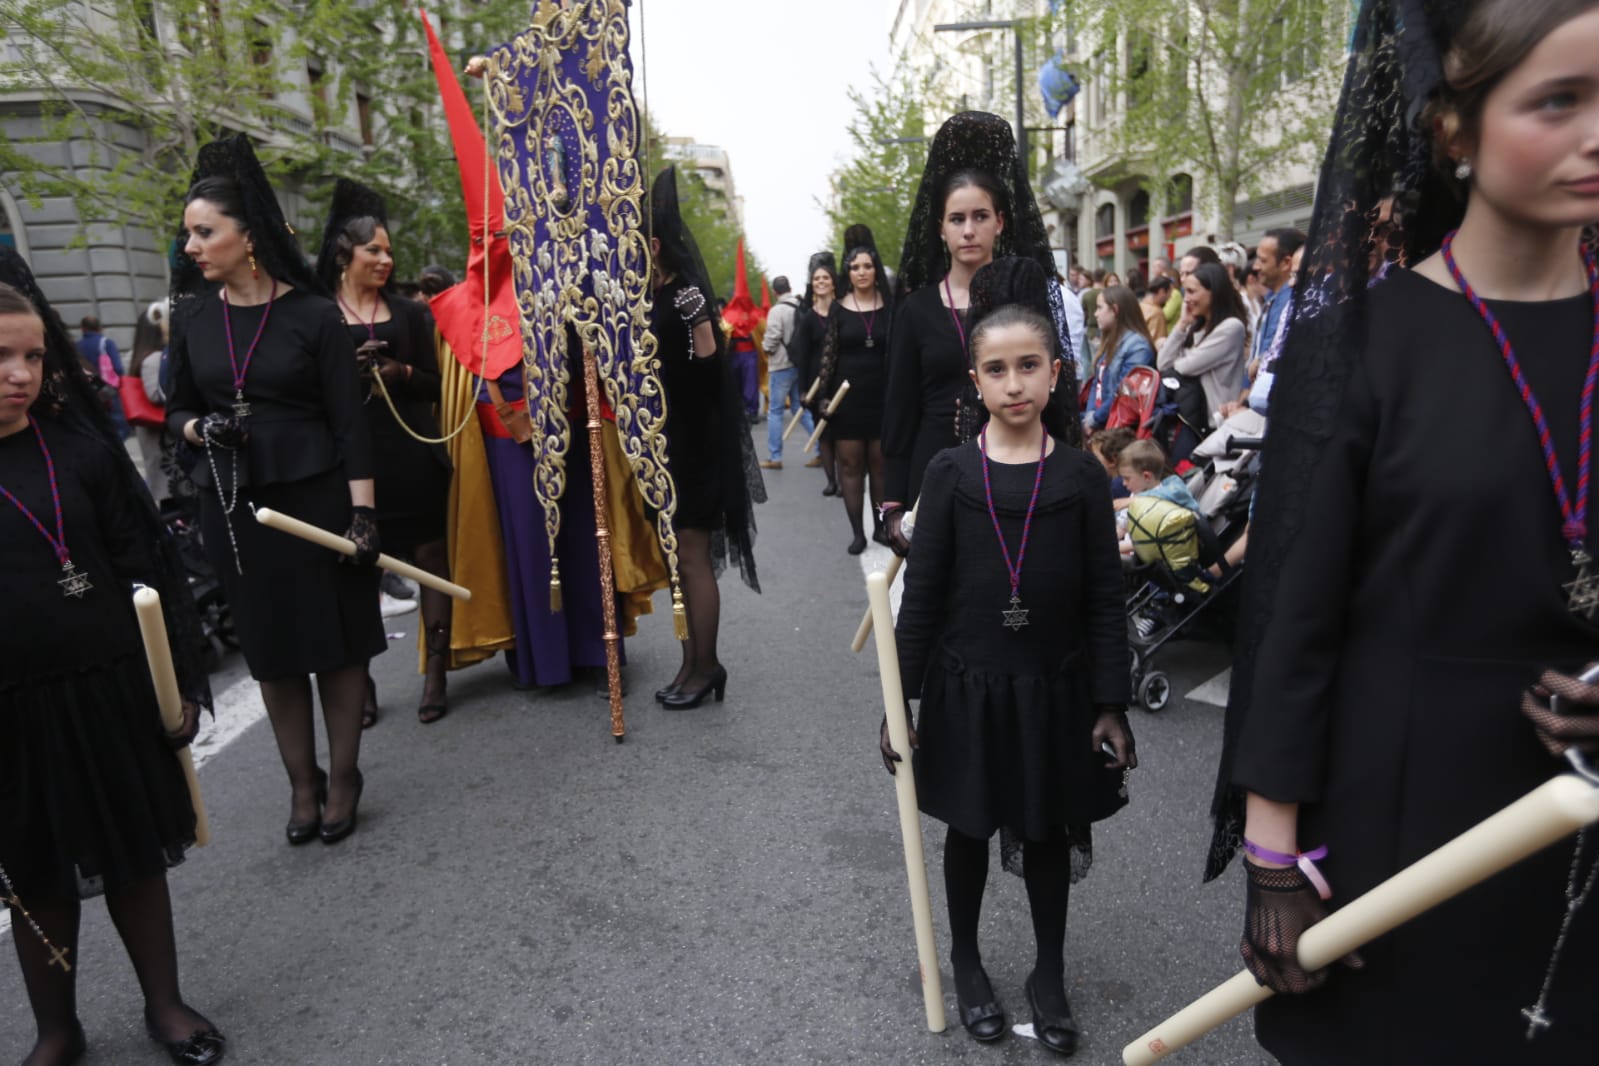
x,y
855,349
266,394
709,453
1398,604
974,203
1019,658
91,796
817,310
393,340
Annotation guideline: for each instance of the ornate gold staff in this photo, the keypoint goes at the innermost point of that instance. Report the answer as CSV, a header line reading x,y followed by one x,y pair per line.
x,y
910,822
602,535
1555,809
832,408
345,546
158,651
810,394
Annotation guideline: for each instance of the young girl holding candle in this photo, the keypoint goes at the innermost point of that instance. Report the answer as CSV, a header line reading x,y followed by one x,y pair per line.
x,y
91,795
1020,661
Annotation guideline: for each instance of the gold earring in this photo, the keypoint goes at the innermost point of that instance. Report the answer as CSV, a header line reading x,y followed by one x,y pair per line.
x,y
342,273
254,272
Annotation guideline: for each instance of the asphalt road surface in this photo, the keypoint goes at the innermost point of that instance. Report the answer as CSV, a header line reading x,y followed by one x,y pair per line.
x,y
725,887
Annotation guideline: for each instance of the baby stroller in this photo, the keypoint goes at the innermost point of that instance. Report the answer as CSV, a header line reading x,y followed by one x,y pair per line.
x,y
1171,593
1135,402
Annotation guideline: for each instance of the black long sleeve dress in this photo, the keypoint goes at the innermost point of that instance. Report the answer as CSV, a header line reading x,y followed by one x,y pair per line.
x,y
926,371
1007,716
1422,596
296,608
89,789
413,478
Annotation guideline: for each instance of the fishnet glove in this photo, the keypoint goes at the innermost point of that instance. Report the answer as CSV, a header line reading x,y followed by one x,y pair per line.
x,y
1279,907
1577,722
364,532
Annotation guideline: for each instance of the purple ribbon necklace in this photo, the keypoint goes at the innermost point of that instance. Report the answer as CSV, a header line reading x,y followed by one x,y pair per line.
x,y
1016,616
1583,590
73,583
240,407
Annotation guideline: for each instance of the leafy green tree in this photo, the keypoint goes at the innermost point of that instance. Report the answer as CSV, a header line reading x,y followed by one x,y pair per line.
x,y
1229,90
877,184
140,85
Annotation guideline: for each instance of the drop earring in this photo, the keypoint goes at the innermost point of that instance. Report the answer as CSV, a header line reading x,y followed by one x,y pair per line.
x,y
254,271
1462,170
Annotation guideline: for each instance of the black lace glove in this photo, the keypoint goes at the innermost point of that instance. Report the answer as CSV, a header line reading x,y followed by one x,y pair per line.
x,y
1279,907
1577,721
224,431
893,529
364,531
1111,728
890,756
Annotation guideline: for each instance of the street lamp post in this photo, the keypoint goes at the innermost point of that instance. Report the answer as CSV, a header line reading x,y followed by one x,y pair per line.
x,y
1015,26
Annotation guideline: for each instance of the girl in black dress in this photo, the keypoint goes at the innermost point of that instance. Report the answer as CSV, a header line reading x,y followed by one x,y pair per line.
x,y
810,330
974,204
393,340
91,796
265,393
1400,608
709,453
1020,660
855,349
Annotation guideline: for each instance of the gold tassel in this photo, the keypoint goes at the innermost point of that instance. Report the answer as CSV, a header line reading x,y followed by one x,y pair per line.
x,y
555,588
679,614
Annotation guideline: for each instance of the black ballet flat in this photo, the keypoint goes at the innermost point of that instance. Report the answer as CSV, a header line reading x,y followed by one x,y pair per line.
x,y
1058,1032
830,490
683,699
333,832
985,1023
857,545
305,832
203,1047
664,694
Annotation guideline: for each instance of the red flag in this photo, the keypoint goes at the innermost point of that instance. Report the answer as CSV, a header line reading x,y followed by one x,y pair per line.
x,y
459,311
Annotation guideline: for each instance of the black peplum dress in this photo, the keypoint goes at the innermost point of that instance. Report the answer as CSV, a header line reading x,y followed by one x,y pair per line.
x,y
413,478
89,789
1006,719
296,608
926,373
1423,594
860,415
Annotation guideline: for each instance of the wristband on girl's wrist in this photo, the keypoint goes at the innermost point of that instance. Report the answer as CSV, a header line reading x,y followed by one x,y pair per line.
x,y
1305,860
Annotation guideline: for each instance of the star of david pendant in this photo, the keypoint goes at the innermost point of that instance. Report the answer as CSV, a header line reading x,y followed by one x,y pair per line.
x,y
241,406
1583,590
73,583
1016,617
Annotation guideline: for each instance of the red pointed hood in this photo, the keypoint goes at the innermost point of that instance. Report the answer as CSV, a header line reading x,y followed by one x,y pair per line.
x,y
741,314
459,310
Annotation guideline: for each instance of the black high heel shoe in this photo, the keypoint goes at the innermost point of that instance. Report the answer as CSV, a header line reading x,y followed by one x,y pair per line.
x,y
857,545
985,1023
1058,1032
683,699
305,832
664,694
203,1047
333,832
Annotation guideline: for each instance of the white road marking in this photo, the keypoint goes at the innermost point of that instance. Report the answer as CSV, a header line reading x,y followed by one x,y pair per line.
x,y
1214,691
238,708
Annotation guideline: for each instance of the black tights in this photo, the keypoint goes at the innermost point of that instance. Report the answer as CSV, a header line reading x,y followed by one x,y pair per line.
x,y
436,613
829,459
1047,864
142,913
288,704
703,602
855,459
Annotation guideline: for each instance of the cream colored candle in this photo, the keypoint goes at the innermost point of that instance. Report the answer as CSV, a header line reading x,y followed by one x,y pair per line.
x,y
864,630
810,394
910,822
158,651
345,546
816,434
1548,813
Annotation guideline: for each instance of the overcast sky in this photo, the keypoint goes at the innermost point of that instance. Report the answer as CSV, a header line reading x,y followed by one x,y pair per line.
x,y
768,82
